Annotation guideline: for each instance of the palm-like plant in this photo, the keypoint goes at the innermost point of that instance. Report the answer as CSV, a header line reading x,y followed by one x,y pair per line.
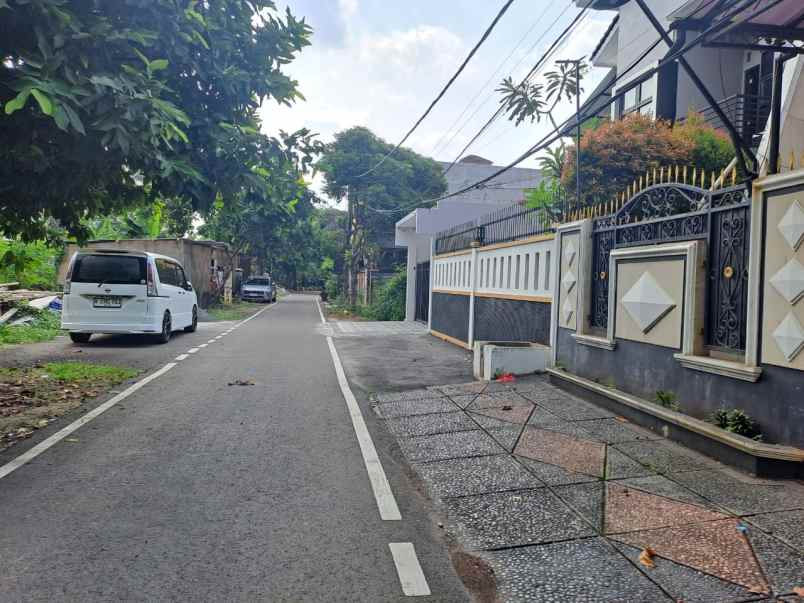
x,y
552,163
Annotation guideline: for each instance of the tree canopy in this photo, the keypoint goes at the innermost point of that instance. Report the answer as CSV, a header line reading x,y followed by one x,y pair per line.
x,y
107,103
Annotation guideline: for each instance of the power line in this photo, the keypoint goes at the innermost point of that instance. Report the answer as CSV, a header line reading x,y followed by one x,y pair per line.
x,y
500,110
556,134
477,46
496,71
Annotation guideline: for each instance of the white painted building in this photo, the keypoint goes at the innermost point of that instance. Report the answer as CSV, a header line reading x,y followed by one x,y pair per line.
x,y
417,229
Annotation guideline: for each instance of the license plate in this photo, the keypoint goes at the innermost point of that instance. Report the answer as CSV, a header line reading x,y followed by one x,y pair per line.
x,y
106,302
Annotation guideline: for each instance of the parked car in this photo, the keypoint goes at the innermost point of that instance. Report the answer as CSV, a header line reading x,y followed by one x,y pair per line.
x,y
115,291
260,288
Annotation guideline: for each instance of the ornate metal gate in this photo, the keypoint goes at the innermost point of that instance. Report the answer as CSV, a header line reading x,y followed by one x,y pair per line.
x,y
422,291
669,212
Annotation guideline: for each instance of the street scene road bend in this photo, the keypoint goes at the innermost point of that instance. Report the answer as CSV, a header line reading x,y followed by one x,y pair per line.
x,y
369,302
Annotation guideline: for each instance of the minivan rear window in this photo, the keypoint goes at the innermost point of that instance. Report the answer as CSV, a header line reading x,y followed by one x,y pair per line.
x,y
260,282
109,269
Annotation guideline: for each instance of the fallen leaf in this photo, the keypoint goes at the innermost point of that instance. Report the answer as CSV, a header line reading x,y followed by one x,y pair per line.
x,y
242,382
621,419
646,557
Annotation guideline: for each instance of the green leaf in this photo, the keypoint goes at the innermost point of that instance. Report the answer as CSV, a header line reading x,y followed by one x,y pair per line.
x,y
18,102
75,121
159,64
62,120
44,101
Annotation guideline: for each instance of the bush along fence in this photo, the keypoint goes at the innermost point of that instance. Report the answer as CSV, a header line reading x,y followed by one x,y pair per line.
x,y
492,278
691,286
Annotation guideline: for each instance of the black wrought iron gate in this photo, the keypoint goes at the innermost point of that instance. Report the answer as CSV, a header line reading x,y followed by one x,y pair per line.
x,y
670,212
422,291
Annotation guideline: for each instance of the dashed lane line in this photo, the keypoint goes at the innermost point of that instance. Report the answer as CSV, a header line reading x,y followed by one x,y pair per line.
x,y
181,357
410,573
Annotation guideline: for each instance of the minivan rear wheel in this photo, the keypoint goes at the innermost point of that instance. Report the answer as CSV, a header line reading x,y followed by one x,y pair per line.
x,y
194,325
167,329
80,337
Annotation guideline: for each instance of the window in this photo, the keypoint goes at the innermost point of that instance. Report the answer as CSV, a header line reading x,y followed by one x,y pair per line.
x,y
259,282
547,272
109,269
636,99
168,274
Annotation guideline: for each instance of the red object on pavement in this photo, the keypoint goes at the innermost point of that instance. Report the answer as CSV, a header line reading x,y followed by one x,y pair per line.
x,y
506,378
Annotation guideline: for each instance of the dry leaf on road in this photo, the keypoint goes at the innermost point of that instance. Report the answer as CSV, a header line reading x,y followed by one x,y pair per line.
x,y
646,557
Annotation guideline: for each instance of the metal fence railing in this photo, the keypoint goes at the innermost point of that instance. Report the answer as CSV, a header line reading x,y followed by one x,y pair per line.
x,y
505,224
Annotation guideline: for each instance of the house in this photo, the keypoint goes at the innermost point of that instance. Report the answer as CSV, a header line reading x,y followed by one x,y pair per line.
x,y
417,230
739,78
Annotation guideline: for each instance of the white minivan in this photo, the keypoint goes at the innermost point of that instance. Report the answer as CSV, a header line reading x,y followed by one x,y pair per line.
x,y
116,291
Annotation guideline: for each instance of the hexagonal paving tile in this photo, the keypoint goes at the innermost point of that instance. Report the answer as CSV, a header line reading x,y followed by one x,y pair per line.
x,y
514,518
580,571
418,425
475,475
449,446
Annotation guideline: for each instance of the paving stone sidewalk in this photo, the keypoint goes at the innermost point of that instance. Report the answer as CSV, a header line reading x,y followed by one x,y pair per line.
x,y
561,497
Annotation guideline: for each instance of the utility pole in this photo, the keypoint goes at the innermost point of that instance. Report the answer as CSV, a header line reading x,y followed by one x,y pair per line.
x,y
577,64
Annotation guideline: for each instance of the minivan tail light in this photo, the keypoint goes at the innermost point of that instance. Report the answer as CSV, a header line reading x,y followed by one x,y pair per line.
x,y
151,282
69,276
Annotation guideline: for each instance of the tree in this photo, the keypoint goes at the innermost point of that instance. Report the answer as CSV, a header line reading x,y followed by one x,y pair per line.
x,y
109,103
552,163
379,198
252,220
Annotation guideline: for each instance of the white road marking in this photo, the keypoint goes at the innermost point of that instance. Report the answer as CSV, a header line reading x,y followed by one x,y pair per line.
x,y
34,452
203,345
320,313
212,340
92,414
386,502
411,576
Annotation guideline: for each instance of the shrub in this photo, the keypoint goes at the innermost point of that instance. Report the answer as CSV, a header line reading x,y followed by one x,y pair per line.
x,y
618,152
668,400
33,265
736,421
389,302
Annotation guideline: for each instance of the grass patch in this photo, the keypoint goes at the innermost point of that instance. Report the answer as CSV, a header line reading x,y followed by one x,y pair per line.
x,y
31,398
235,311
45,326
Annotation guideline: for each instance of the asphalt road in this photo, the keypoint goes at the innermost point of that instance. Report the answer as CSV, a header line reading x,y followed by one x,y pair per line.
x,y
193,489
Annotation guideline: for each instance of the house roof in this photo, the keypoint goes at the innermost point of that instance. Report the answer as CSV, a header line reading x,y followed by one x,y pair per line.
x,y
783,19
604,38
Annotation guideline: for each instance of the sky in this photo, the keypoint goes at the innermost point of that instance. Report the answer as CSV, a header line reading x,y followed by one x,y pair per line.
x,y
380,64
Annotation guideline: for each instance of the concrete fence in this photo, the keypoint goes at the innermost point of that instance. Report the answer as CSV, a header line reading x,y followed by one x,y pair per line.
x,y
498,292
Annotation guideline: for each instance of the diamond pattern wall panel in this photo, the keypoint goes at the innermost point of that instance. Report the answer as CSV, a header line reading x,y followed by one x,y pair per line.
x,y
789,336
647,303
789,281
792,226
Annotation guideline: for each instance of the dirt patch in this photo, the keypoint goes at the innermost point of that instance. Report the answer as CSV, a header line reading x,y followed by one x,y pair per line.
x,y
31,398
476,574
